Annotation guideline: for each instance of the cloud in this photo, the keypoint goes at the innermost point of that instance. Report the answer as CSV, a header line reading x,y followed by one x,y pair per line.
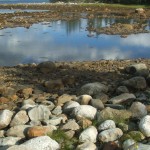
x,y
142,40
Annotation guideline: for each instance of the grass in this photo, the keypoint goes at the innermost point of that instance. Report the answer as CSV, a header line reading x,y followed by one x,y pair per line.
x,y
61,137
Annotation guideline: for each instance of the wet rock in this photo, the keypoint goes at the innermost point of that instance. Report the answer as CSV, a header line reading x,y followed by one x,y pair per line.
x,y
108,124
39,131
84,99
70,125
9,141
46,67
138,69
121,90
65,98
110,135
21,131
144,125
20,118
39,113
38,143
88,135
5,118
93,89
69,106
81,112
113,114
136,83
87,146
57,110
97,103
54,85
122,98
138,110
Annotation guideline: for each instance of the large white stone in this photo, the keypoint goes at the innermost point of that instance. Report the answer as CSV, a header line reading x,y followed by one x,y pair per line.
x,y
20,118
39,113
38,143
108,124
85,111
144,125
110,135
5,118
89,134
18,131
87,146
69,106
9,141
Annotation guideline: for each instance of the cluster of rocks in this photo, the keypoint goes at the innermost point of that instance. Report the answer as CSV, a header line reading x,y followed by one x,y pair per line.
x,y
90,120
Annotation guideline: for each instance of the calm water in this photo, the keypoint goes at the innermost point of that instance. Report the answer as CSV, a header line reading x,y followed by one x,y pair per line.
x,y
69,41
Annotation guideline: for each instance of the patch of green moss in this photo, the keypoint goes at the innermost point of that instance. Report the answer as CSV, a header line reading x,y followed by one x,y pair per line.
x,y
136,135
61,137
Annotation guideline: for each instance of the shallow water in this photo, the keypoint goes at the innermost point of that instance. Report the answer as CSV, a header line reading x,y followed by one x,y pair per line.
x,y
69,41
2,11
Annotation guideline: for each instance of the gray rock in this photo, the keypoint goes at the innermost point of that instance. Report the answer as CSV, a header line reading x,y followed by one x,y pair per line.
x,y
88,135
113,114
5,118
97,103
87,146
18,131
27,107
20,118
93,89
122,98
38,143
47,67
138,69
138,110
128,143
138,146
84,99
115,106
121,90
57,110
70,125
9,141
136,83
50,105
108,124
65,98
53,121
102,96
2,132
110,135
144,125
39,113
69,106
35,123
81,112
28,101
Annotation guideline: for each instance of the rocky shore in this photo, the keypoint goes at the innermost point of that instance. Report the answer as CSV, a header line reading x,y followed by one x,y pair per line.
x,y
101,105
59,11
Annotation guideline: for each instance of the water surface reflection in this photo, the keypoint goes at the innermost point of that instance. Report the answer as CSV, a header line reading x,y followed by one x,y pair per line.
x,y
68,41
